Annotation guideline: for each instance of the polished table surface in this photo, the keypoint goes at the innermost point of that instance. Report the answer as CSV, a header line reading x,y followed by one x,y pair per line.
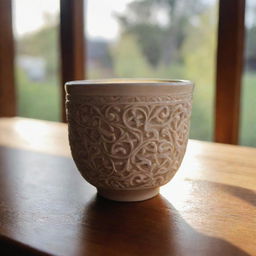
x,y
46,208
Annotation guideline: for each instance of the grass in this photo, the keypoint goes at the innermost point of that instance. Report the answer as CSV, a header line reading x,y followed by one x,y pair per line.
x,y
248,111
40,100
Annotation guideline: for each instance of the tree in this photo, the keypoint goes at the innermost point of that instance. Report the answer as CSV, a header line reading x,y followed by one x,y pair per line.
x,y
42,43
41,101
128,60
159,26
198,53
250,48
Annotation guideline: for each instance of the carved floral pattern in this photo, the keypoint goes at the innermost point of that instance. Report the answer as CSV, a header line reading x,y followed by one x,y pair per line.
x,y
121,142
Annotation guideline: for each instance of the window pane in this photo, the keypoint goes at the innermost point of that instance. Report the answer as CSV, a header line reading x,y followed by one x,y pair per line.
x,y
248,106
36,34
161,39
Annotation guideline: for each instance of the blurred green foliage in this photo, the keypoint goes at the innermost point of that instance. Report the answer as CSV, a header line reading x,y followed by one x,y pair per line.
x,y
43,43
40,100
129,63
248,110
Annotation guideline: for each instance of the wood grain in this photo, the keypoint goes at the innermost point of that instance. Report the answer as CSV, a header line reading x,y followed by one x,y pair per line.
x,y
72,42
46,208
7,83
229,70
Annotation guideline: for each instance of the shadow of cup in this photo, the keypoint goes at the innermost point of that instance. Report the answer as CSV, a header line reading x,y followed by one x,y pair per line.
x,y
152,227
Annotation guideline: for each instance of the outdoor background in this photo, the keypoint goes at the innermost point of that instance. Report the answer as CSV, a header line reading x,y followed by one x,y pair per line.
x,y
139,38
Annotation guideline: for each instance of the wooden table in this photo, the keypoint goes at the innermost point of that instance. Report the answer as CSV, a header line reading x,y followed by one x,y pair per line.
x,y
46,208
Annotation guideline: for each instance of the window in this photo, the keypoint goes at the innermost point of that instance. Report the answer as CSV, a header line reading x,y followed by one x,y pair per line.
x,y
36,36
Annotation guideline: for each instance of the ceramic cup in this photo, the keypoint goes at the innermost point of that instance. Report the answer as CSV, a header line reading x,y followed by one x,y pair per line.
x,y
128,137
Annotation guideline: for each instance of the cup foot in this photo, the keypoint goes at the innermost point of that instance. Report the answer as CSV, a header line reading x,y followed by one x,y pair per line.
x,y
129,195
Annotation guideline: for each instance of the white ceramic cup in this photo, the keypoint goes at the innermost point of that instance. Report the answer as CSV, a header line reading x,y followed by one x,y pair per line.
x,y
128,137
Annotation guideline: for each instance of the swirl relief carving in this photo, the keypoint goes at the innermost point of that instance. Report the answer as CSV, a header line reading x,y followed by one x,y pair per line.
x,y
128,143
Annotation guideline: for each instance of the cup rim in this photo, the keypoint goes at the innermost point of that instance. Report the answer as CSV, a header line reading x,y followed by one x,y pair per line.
x,y
130,82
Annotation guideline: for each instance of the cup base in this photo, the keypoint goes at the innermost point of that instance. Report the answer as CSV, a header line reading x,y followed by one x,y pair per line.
x,y
129,195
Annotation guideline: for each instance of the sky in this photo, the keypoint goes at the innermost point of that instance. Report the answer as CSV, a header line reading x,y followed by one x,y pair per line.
x,y
29,16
